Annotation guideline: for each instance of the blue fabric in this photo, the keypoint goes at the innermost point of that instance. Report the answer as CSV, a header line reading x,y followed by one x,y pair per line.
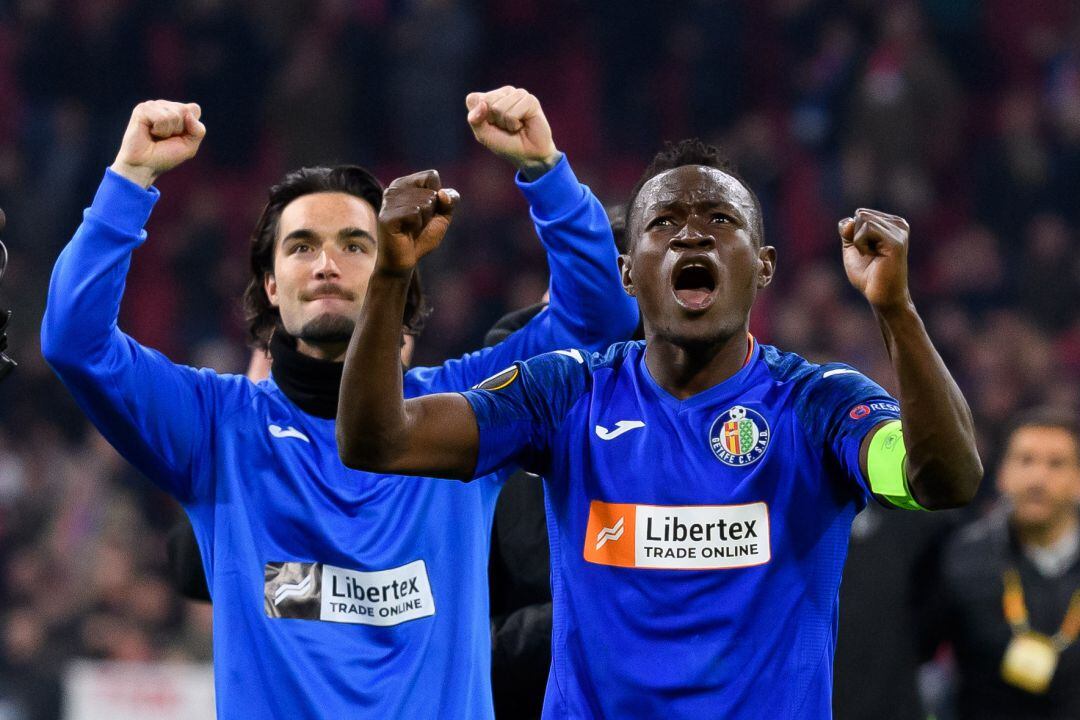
x,y
650,638
262,482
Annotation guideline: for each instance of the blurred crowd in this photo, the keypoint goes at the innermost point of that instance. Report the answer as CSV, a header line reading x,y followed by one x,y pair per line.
x,y
961,115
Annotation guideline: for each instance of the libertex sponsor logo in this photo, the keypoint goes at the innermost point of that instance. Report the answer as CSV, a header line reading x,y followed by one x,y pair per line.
x,y
678,537
315,591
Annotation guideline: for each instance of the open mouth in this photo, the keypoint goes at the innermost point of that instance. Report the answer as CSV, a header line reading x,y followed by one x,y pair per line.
x,y
694,285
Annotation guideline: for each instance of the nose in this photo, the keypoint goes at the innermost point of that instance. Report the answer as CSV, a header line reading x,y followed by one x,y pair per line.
x,y
325,267
691,237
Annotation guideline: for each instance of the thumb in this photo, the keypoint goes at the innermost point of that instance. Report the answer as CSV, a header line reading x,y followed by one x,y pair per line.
x,y
445,202
193,127
847,229
478,113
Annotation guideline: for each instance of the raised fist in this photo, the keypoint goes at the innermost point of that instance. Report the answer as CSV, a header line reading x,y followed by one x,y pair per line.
x,y
160,135
510,123
415,215
875,247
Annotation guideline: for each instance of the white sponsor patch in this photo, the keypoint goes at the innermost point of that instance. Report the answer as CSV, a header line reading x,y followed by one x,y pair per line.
x,y
383,597
682,537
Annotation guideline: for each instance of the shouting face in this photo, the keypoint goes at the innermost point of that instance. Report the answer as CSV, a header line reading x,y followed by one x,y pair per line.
x,y
323,259
695,261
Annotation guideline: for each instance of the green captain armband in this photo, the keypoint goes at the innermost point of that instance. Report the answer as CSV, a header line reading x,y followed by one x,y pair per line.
x,y
885,467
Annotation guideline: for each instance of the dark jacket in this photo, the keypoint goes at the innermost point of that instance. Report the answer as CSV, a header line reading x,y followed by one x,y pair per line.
x,y
890,558
966,610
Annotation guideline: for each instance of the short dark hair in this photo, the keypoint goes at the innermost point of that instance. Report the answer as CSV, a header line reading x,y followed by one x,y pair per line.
x,y
262,318
1047,417
690,151
617,219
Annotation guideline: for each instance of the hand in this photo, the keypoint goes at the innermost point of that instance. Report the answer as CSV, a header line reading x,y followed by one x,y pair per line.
x,y
510,123
160,135
414,217
875,246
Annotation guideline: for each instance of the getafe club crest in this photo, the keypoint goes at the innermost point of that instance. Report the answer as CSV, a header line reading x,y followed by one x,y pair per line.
x,y
739,436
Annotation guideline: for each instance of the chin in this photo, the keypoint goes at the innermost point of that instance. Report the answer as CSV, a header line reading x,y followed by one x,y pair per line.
x,y
327,328
1035,518
702,329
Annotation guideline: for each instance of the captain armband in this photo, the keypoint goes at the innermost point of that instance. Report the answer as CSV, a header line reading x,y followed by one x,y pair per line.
x,y
885,467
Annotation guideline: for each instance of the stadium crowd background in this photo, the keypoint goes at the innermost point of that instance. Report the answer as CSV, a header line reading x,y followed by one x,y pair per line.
x,y
963,116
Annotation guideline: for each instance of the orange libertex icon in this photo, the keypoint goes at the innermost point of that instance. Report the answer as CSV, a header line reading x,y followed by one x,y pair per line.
x,y
609,538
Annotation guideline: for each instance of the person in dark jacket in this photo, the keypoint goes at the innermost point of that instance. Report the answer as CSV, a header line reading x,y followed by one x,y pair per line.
x,y
1008,592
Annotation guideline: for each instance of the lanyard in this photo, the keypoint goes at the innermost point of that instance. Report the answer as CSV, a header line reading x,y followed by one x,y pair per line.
x,y
1016,612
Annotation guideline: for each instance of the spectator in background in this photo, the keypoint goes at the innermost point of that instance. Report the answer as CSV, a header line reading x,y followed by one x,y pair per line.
x,y
877,672
1007,595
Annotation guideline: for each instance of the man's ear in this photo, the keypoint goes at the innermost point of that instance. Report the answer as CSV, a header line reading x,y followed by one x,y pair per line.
x,y
270,286
766,265
625,265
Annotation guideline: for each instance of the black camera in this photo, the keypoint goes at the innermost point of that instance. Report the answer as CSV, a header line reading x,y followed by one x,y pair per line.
x,y
6,363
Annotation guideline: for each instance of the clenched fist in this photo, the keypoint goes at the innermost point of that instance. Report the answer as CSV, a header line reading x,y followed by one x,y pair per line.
x,y
415,215
510,123
160,135
875,246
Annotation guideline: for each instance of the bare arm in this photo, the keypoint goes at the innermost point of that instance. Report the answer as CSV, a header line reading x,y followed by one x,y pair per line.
x,y
943,467
377,429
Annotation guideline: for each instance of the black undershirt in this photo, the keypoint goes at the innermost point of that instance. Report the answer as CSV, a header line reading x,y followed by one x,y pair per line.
x,y
312,384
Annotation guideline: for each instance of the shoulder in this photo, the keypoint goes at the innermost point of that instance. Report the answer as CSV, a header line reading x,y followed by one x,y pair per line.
x,y
231,393
572,366
821,383
788,367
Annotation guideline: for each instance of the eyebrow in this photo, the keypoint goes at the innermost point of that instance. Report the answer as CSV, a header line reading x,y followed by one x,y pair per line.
x,y
716,203
343,234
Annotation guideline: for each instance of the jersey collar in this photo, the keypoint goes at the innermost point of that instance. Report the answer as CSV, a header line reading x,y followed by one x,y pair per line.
x,y
730,386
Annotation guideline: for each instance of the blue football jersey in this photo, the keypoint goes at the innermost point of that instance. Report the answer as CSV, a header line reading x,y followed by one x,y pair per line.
x,y
337,593
696,545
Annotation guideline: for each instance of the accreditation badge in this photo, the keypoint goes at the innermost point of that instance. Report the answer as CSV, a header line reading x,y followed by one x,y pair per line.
x,y
1030,662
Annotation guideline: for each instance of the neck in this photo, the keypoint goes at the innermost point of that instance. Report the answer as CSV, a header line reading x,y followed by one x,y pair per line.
x,y
684,370
332,352
1049,534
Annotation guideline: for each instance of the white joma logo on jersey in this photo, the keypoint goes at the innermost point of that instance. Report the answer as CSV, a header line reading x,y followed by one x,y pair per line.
x,y
289,432
612,533
621,427
838,371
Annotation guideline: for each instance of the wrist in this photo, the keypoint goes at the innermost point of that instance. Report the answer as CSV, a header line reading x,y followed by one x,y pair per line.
x,y
898,311
533,169
142,176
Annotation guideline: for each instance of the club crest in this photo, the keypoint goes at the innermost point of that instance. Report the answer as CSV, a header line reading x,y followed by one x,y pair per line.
x,y
739,436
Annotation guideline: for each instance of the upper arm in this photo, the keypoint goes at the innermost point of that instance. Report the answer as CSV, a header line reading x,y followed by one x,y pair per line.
x,y
440,439
843,411
519,410
157,414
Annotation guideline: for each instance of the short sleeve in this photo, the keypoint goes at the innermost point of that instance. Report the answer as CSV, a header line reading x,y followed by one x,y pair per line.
x,y
838,407
520,409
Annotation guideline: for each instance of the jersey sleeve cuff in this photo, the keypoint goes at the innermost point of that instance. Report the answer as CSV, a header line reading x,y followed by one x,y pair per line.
x,y
554,194
122,204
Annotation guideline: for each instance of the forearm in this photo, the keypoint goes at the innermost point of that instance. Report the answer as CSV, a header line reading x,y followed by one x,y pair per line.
x,y
371,407
589,307
152,411
88,280
943,466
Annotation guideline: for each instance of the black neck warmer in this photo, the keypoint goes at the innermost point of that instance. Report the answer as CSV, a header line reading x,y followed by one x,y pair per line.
x,y
310,383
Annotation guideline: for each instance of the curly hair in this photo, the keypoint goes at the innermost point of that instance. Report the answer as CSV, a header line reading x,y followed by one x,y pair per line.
x,y
691,151
261,317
